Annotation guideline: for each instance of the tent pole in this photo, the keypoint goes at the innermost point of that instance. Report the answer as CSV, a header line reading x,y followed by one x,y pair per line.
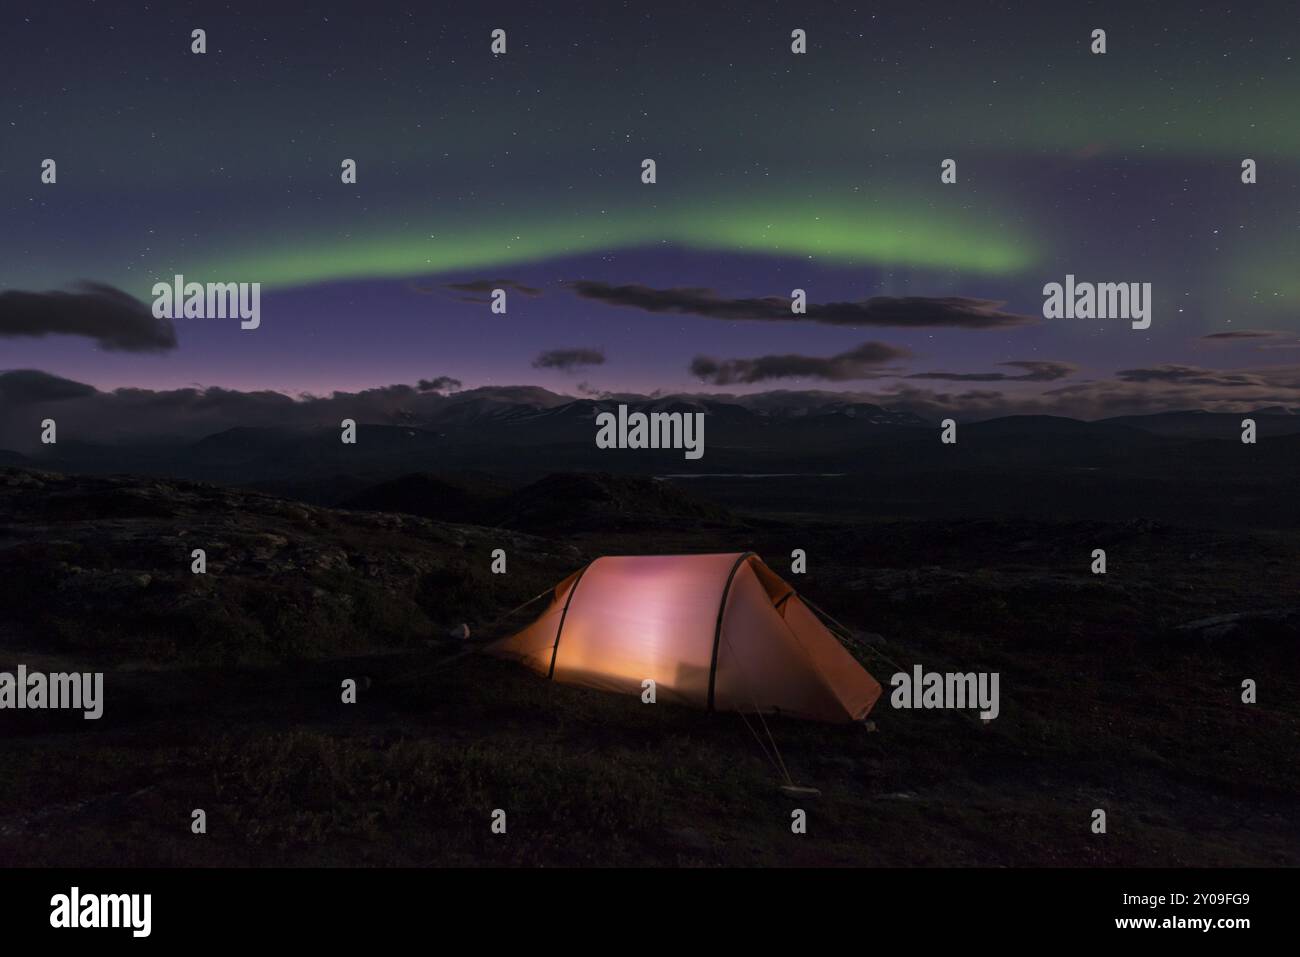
x,y
555,649
717,628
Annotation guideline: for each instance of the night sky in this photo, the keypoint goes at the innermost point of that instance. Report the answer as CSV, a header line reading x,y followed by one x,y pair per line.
x,y
775,171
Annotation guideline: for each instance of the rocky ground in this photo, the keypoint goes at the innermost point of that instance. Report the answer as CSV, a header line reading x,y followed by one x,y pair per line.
x,y
103,567
1119,692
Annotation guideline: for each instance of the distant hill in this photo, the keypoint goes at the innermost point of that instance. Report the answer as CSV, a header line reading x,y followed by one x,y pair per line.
x,y
557,504
1041,425
432,496
813,404
602,502
1195,423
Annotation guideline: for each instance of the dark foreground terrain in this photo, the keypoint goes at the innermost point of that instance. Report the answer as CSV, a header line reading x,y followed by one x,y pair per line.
x,y
1119,692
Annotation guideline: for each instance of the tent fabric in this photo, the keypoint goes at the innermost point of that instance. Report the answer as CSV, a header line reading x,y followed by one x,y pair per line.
x,y
722,632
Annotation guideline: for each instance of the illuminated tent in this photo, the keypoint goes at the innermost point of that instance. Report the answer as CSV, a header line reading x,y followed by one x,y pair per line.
x,y
722,632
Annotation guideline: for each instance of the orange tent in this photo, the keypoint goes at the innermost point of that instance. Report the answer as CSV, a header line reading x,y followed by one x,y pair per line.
x,y
722,632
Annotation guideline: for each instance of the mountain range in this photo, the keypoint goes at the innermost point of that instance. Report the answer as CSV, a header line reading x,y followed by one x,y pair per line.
x,y
479,455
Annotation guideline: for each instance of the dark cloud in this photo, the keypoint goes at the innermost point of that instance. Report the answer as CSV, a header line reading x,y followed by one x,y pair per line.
x,y
444,383
567,359
908,311
487,285
1192,375
29,386
112,318
1245,334
1267,339
1035,371
862,362
477,290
